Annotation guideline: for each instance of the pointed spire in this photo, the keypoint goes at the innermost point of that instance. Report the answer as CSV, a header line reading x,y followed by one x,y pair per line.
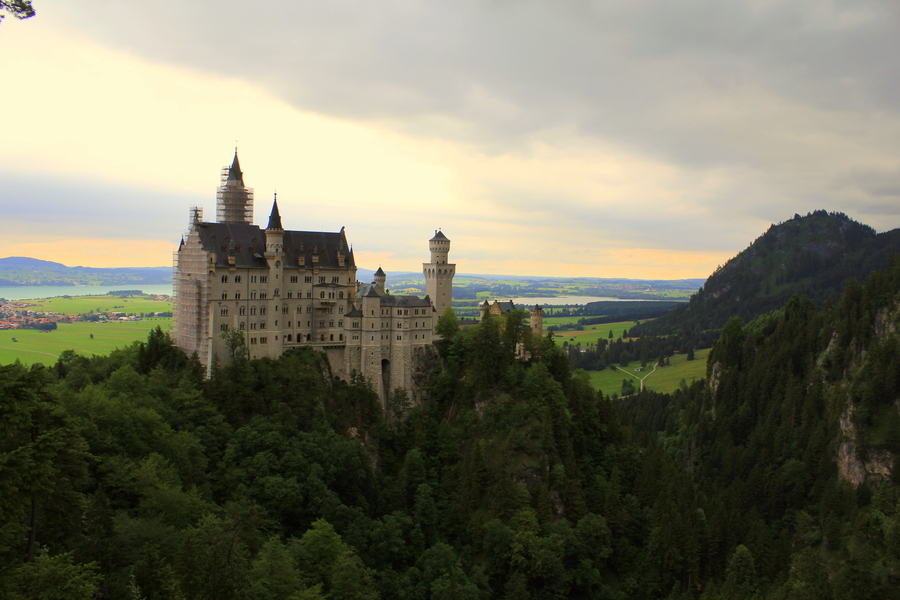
x,y
275,216
235,173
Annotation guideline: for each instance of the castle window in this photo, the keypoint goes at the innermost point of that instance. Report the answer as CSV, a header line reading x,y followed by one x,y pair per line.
x,y
341,323
309,309
263,278
322,337
262,295
307,279
224,295
253,279
341,295
252,310
252,341
399,325
224,278
294,278
331,338
263,340
341,337
262,310
399,337
331,323
309,294
237,295
224,326
321,323
284,309
335,279
275,293
253,295
321,279
355,323
308,338
290,295
237,278
321,294
224,312
262,325
289,337
242,310
252,325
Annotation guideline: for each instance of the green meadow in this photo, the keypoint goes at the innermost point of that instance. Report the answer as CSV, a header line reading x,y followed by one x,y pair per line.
x,y
590,334
78,305
34,346
664,379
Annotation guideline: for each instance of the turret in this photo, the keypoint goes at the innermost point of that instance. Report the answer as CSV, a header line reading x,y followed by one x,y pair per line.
x,y
234,200
380,278
439,273
537,321
274,231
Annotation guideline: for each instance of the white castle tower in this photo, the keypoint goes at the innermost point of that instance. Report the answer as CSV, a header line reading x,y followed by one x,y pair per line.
x,y
439,274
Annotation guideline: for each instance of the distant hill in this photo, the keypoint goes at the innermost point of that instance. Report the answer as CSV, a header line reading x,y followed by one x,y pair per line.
x,y
812,255
20,270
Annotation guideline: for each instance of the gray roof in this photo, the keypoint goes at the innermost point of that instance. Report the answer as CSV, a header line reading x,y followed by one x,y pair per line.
x,y
249,243
404,301
439,236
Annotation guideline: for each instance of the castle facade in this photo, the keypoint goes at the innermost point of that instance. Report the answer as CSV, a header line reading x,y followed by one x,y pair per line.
x,y
284,289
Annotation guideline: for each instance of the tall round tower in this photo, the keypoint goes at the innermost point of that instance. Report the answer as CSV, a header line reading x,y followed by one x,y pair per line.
x,y
439,273
380,280
537,321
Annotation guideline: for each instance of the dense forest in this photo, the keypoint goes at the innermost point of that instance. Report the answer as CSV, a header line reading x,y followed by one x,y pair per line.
x,y
132,476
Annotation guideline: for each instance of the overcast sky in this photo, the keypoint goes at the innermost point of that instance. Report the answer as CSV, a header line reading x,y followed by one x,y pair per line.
x,y
644,139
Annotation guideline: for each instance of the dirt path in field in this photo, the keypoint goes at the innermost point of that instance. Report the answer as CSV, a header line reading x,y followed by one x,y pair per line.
x,y
27,350
641,379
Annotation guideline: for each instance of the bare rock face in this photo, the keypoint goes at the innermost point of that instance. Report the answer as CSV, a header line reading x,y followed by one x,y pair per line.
x,y
850,467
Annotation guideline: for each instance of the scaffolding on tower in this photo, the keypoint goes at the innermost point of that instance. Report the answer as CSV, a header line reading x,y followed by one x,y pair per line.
x,y
190,318
234,201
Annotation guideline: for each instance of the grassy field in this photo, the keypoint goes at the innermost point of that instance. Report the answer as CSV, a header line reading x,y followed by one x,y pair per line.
x,y
34,346
77,305
665,379
590,334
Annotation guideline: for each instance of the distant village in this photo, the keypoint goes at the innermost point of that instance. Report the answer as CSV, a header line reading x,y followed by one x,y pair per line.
x,y
19,315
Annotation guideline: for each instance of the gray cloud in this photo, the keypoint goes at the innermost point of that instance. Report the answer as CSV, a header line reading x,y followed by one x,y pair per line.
x,y
795,100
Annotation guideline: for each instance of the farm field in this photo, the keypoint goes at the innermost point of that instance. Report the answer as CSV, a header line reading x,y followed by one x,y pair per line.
x,y
590,334
38,347
664,379
77,305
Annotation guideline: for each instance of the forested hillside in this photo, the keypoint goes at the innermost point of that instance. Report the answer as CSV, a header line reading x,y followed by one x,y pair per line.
x,y
793,440
811,256
131,476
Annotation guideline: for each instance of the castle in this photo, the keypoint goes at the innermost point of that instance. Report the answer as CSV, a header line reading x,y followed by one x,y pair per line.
x,y
284,289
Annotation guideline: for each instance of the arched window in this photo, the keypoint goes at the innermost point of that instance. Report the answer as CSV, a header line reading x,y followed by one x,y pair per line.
x,y
252,310
289,337
331,323
253,295
275,293
262,295
237,278
224,295
243,325
284,309
224,278
224,312
321,294
262,310
341,337
242,310
341,323
237,295
331,338
224,326
340,294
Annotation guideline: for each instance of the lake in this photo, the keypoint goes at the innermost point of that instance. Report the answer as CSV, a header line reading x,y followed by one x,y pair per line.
x,y
28,292
566,300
